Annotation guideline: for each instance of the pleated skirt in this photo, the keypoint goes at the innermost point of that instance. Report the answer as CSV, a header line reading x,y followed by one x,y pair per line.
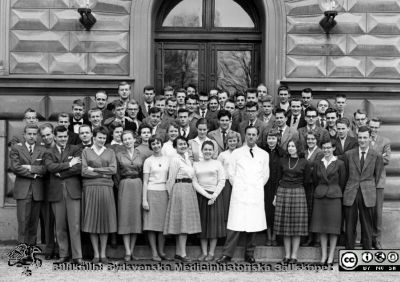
x,y
327,216
154,218
98,210
291,215
130,206
212,218
226,198
182,215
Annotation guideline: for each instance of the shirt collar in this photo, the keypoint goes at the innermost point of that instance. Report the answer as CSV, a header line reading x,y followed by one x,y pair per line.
x,y
27,146
327,163
360,151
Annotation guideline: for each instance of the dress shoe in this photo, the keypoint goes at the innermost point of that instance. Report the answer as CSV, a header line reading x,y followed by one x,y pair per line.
x,y
183,259
134,258
224,259
201,257
285,261
127,258
274,243
48,256
78,261
377,245
55,256
209,258
268,243
62,260
165,257
293,261
156,258
249,259
95,260
104,260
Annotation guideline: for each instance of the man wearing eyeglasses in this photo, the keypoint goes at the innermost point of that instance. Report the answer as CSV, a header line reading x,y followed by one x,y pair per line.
x,y
321,134
101,99
360,119
252,112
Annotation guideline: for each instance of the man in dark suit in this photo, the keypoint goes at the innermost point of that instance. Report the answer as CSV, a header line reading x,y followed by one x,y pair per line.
x,y
321,134
192,106
185,129
78,116
322,106
155,123
124,92
382,146
331,118
306,99
63,120
119,116
85,134
340,104
220,134
295,117
252,112
364,167
100,99
286,133
240,113
63,161
145,106
267,115
30,117
284,96
344,142
28,165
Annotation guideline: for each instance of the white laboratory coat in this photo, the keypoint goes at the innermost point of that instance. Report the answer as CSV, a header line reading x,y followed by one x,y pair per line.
x,y
248,176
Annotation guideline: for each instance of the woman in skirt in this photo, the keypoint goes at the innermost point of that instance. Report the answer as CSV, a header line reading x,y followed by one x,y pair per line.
x,y
275,154
291,219
329,175
232,142
155,197
182,217
130,167
98,212
143,142
209,180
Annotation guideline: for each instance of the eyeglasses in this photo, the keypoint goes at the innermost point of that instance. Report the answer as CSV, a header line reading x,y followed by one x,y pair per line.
x,y
311,116
359,119
326,148
251,111
203,101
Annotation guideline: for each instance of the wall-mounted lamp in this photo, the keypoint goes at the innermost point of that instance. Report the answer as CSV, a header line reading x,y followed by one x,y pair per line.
x,y
87,19
330,9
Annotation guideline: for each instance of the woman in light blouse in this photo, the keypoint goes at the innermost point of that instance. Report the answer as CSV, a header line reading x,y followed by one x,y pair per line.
x,y
195,145
98,212
130,167
209,180
182,217
155,197
168,149
232,142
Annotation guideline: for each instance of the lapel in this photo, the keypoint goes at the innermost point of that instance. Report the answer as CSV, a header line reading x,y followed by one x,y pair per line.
x,y
368,159
331,167
36,152
356,159
324,171
25,151
285,134
218,138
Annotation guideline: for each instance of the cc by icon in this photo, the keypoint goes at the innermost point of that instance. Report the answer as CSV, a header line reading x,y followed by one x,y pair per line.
x,y
349,260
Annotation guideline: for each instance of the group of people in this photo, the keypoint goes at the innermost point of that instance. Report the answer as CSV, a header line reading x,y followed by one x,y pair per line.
x,y
210,164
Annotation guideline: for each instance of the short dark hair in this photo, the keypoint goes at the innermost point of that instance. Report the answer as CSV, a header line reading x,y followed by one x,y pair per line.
x,y
203,94
364,129
360,112
59,128
328,140
180,137
31,126
154,138
344,120
78,102
274,132
238,94
306,90
192,97
299,147
172,99
168,88
123,83
114,125
201,121
330,111
173,124
250,127
224,113
125,132
251,90
283,87
46,125
310,109
63,115
142,126
294,100
118,103
148,87
183,111
280,111
101,129
154,110
207,142
251,104
341,96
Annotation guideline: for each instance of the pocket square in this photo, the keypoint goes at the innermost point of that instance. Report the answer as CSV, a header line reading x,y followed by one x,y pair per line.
x,y
39,160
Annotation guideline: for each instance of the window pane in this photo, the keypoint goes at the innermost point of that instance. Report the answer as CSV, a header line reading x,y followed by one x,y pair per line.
x,y
234,70
228,13
181,67
187,13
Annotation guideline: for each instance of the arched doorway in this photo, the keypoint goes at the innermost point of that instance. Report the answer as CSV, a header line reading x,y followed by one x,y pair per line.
x,y
209,43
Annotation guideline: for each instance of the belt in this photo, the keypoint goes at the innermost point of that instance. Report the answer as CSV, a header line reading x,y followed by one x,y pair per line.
x,y
130,177
183,180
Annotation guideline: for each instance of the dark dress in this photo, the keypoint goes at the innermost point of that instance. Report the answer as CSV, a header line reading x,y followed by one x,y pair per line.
x,y
327,211
291,217
272,185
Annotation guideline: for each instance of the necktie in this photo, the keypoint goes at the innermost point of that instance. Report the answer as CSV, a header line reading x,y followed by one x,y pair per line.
x,y
183,132
294,119
30,150
323,123
280,132
251,124
203,113
251,152
362,160
224,137
62,150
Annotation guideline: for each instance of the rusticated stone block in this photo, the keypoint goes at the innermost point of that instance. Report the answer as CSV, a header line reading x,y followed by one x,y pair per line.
x,y
373,6
99,41
316,44
14,106
346,66
306,66
383,23
386,110
109,63
394,164
26,62
109,6
304,7
347,23
107,21
383,67
39,41
59,104
39,3
392,132
29,19
370,45
68,63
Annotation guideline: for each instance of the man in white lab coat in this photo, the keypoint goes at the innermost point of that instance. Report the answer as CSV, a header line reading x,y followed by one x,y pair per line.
x,y
248,172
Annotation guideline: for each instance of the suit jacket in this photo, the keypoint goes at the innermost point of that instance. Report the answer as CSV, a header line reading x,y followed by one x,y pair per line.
x,y
128,124
20,156
69,176
329,181
217,136
162,133
287,135
73,138
194,150
192,133
366,180
315,156
320,133
143,111
260,125
349,144
382,146
302,121
85,121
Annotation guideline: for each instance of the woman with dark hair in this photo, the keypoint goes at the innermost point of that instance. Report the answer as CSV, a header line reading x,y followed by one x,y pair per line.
x,y
130,167
98,211
116,128
182,217
329,176
275,154
291,218
168,149
144,132
195,145
155,197
209,180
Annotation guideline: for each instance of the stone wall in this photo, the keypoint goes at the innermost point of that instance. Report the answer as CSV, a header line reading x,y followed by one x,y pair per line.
x,y
45,37
364,43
